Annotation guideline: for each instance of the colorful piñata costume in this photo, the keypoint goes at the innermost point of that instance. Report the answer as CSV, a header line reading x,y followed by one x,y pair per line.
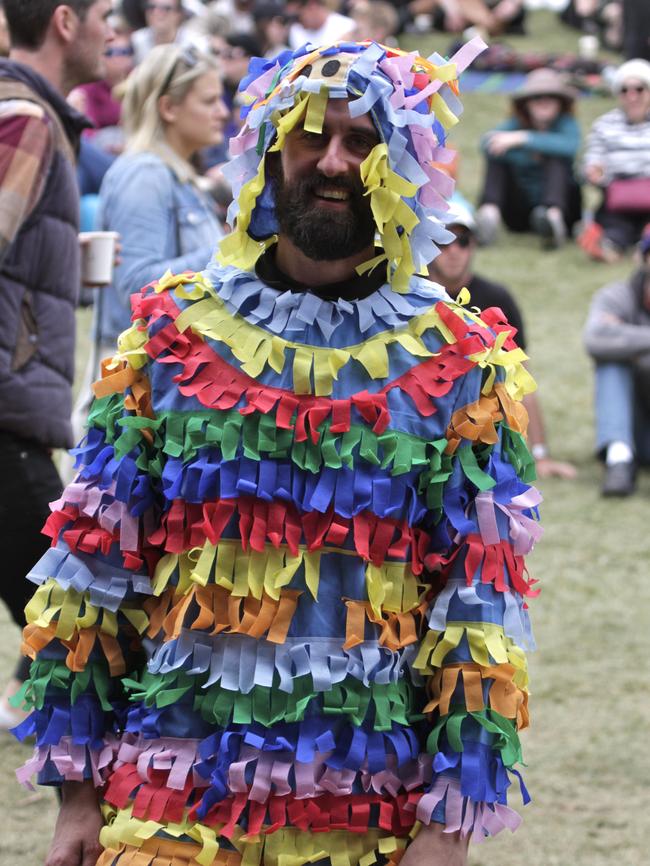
x,y
283,618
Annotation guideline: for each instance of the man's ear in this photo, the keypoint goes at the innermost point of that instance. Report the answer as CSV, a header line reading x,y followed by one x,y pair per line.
x,y
64,23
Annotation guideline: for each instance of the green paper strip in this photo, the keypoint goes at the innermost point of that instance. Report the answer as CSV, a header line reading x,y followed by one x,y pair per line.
x,y
49,676
506,740
383,703
182,434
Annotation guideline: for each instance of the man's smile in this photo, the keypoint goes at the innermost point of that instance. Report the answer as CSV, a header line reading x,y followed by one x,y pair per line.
x,y
333,195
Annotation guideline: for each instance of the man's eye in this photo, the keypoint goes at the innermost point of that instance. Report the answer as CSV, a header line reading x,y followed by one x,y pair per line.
x,y
311,136
361,143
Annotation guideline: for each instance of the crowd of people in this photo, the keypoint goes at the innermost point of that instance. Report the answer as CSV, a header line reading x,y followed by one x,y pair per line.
x,y
182,128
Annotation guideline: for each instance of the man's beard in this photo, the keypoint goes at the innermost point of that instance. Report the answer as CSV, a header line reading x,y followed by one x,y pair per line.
x,y
321,233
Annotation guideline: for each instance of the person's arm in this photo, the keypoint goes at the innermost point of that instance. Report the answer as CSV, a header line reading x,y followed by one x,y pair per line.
x,y
562,141
473,651
78,824
546,465
27,149
594,160
611,333
139,204
434,847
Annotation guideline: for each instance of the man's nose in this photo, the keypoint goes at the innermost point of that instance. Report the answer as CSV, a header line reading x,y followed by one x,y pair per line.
x,y
333,162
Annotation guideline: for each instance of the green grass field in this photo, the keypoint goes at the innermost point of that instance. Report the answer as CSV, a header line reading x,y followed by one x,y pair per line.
x,y
587,753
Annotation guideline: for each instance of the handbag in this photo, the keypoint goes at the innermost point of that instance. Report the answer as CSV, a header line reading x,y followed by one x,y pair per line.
x,y
628,194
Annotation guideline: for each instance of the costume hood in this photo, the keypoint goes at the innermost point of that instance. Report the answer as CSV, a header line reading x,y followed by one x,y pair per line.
x,y
412,101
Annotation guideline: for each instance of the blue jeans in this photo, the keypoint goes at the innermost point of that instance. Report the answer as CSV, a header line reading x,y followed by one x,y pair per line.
x,y
619,414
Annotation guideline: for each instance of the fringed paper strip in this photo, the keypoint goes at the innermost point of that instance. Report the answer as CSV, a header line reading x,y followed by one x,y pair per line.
x,y
495,564
186,526
464,816
282,312
128,476
49,676
343,747
486,642
239,662
81,645
108,586
85,722
213,609
71,612
357,813
164,852
261,774
459,726
391,586
348,491
100,537
73,762
481,771
379,704
286,846
504,697
506,609
185,435
396,630
254,348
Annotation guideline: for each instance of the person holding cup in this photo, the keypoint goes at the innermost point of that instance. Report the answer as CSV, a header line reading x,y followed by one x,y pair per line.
x,y
152,195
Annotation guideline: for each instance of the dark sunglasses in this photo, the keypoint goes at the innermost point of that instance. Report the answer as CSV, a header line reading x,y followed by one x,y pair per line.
x,y
463,240
634,88
126,51
189,57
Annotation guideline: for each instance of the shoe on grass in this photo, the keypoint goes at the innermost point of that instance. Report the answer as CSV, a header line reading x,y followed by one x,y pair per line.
x,y
598,247
488,224
548,223
619,479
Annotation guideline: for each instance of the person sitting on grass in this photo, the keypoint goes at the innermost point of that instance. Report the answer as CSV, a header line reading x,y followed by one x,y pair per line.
x,y
453,269
529,180
617,336
617,161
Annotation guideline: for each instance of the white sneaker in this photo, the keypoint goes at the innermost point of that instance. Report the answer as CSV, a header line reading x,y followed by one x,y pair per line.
x,y
488,224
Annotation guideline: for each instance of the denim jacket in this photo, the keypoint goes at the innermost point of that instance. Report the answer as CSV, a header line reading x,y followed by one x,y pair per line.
x,y
163,223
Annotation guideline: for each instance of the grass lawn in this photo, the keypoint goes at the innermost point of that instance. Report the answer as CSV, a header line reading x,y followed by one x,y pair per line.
x,y
588,766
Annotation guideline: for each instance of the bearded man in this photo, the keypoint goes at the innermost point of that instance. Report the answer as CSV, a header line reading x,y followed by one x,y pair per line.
x,y
283,618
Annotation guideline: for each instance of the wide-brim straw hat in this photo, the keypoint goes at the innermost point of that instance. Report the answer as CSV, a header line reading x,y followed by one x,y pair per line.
x,y
544,82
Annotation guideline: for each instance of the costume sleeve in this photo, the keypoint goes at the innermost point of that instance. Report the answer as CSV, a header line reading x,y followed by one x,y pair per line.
x,y
86,619
25,158
472,654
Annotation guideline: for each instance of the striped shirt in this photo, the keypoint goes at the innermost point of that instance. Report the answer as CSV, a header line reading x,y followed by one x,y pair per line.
x,y
26,152
620,147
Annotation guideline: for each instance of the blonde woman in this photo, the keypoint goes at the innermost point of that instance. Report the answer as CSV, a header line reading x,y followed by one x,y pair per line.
x,y
152,194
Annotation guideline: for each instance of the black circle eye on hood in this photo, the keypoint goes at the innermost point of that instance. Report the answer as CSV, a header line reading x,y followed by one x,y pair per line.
x,y
331,68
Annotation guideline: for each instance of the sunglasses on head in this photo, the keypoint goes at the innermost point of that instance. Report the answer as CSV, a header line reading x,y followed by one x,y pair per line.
x,y
189,57
633,88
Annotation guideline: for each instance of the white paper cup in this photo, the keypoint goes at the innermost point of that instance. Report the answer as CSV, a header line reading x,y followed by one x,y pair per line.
x,y
97,257
588,46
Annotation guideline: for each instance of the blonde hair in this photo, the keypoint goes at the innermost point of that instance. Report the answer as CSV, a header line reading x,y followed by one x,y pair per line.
x,y
167,70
